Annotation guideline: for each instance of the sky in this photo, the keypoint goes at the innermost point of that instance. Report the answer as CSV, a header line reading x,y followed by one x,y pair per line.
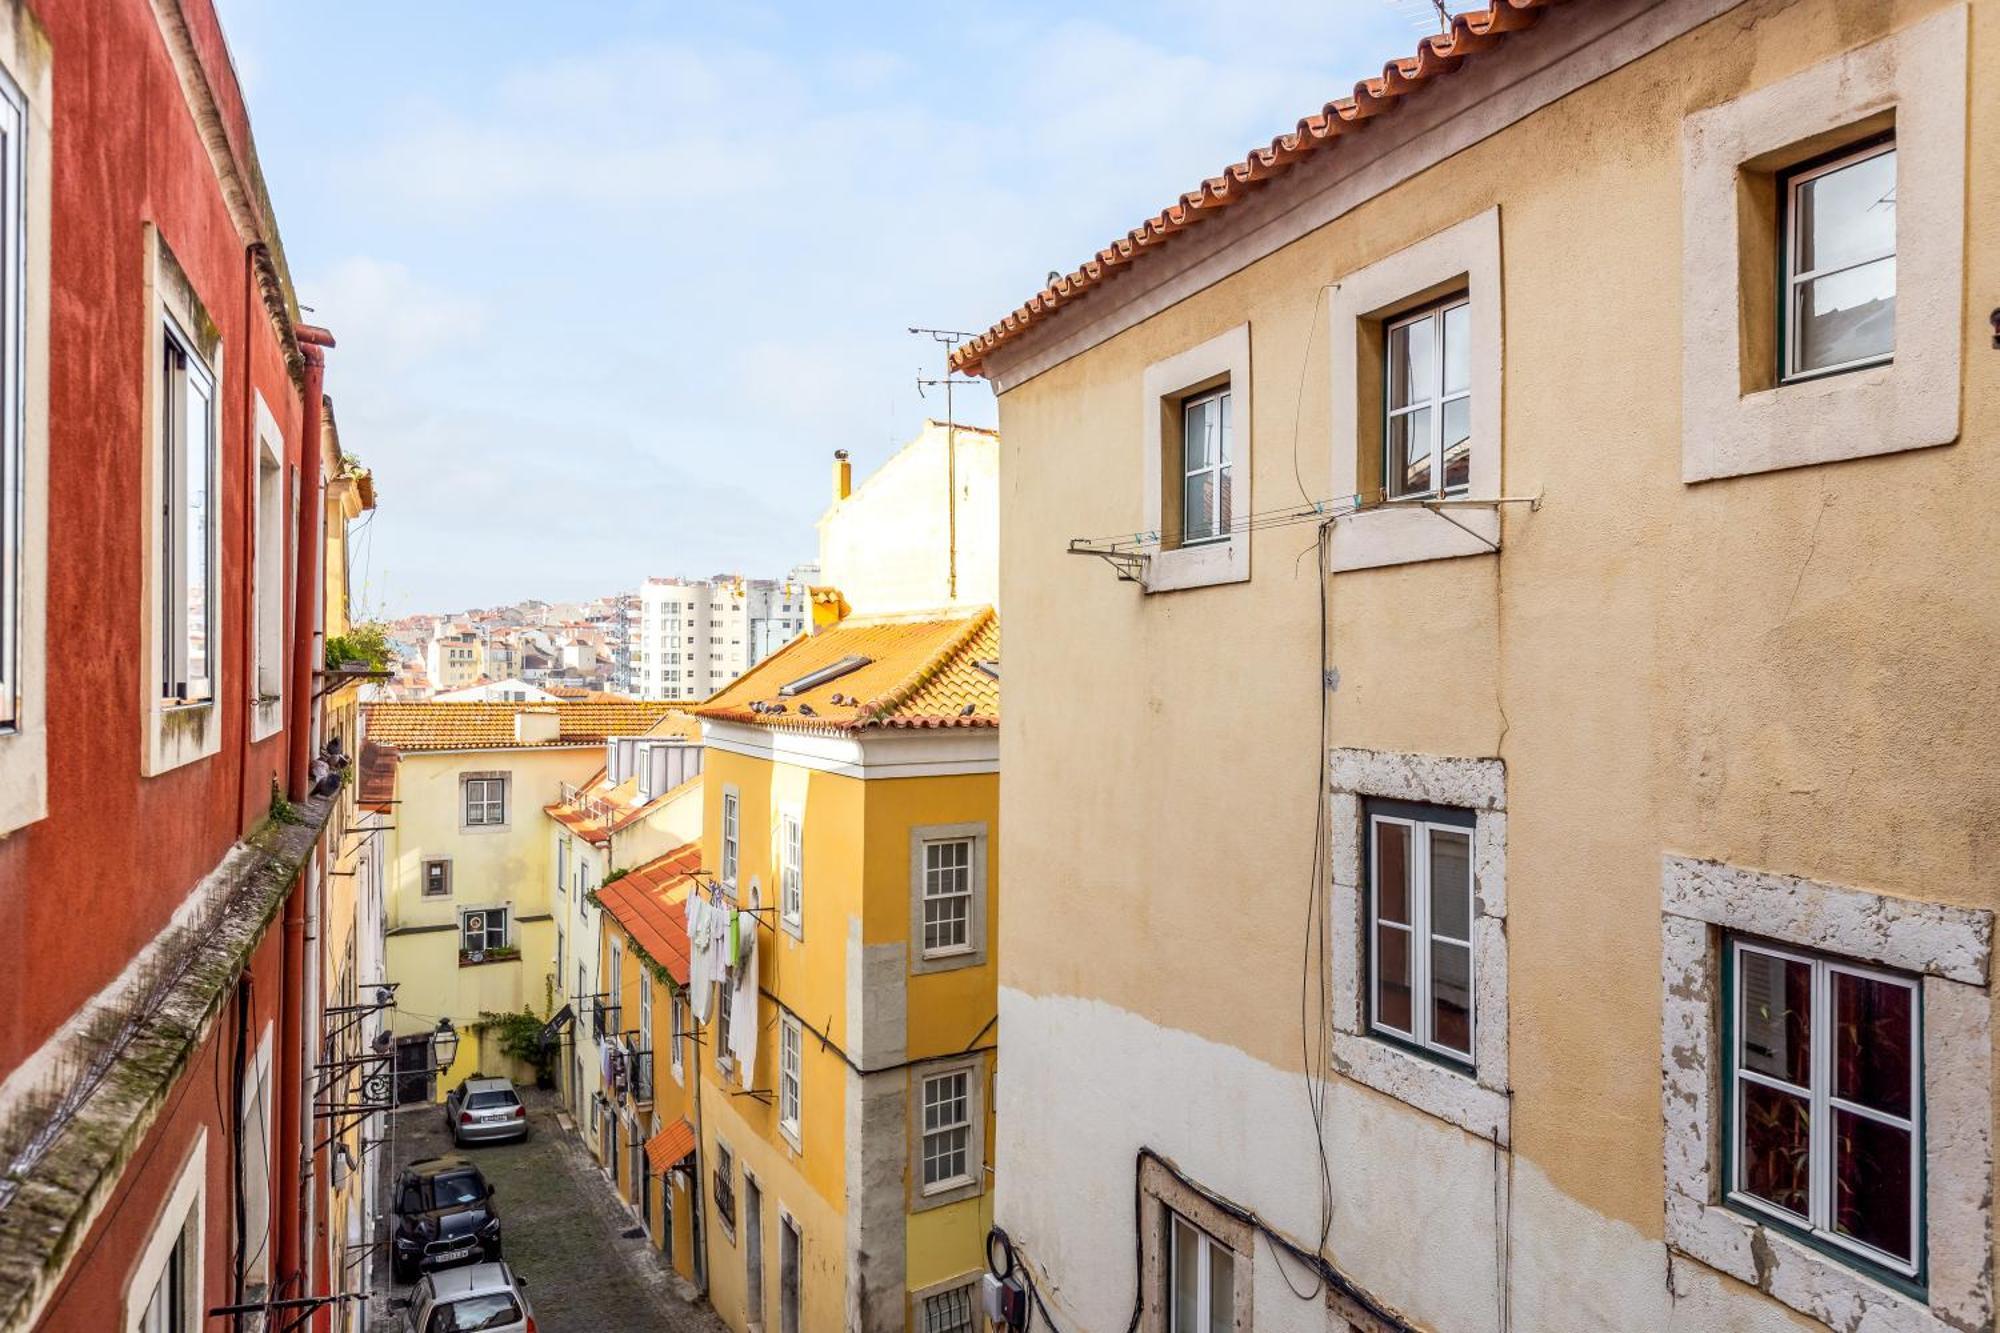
x,y
613,279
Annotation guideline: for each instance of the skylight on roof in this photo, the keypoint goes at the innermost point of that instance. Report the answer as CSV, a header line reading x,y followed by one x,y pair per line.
x,y
815,679
991,668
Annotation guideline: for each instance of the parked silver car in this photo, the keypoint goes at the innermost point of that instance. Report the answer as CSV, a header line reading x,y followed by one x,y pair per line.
x,y
484,1298
485,1110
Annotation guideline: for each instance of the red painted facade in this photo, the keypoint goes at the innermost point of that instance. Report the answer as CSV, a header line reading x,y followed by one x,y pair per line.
x,y
86,889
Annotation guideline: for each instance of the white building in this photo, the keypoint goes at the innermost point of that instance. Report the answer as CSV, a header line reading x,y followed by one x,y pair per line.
x,y
695,636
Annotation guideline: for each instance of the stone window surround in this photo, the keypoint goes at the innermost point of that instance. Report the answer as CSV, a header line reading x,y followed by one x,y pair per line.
x,y
176,733
969,1281
267,712
1949,948
975,955
424,877
1464,256
1479,1104
26,55
1225,358
1918,77
1161,1193
975,1143
506,777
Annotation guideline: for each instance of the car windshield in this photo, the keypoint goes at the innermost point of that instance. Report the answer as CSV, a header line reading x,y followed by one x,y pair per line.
x,y
486,1101
496,1310
457,1187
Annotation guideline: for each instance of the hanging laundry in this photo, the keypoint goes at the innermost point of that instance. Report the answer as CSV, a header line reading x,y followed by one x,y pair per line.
x,y
704,962
743,1021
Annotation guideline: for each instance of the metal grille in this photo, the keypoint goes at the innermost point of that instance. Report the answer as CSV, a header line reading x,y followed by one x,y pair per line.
x,y
949,1311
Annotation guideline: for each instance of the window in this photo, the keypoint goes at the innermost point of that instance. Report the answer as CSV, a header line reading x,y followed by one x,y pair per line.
x,y
1427,430
1205,447
254,1115
1826,1096
791,1058
1840,262
723,1060
166,1291
437,877
731,812
947,896
269,595
1420,927
485,802
789,1245
187,533
167,1308
947,1141
949,1311
724,1187
483,930
1201,1280
680,1019
13,443
562,864
471,1313
613,982
791,872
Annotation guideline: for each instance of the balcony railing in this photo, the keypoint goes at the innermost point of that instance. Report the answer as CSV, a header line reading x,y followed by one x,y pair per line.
x,y
590,807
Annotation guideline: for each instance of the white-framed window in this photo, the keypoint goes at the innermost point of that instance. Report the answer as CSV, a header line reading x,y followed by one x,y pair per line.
x,y
947,1137
437,877
723,1059
268,595
791,1069
680,1019
166,1292
483,929
1839,231
950,1310
1205,467
13,412
645,1010
1420,953
732,812
1825,1098
562,864
256,1162
613,982
791,870
1201,1281
1427,402
188,535
485,798
947,896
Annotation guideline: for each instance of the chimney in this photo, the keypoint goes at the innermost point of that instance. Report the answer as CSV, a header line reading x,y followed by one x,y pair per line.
x,y
536,726
843,476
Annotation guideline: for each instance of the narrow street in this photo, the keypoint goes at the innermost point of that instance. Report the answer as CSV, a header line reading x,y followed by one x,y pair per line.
x,y
565,1232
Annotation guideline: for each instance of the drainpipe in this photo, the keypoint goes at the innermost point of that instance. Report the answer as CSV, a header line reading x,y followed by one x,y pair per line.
x,y
305,602
291,1075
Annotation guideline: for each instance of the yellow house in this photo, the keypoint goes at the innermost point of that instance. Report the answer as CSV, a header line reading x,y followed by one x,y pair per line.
x,y
1501,831
647,1136
851,808
470,926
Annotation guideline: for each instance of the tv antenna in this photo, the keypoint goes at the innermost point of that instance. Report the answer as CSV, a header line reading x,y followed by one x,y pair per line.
x,y
948,339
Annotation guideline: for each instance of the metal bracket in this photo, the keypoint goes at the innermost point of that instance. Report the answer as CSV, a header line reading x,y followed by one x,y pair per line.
x,y
1129,565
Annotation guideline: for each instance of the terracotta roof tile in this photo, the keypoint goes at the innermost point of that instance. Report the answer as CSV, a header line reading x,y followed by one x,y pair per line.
x,y
490,726
1471,33
919,673
649,903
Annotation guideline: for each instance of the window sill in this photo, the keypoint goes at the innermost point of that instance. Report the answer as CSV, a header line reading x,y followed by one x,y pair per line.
x,y
1429,1085
925,963
939,1196
1791,1271
1407,532
267,718
179,734
1207,565
795,928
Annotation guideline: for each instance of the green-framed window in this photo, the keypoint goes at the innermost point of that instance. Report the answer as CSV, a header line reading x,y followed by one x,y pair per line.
x,y
1837,298
1823,1102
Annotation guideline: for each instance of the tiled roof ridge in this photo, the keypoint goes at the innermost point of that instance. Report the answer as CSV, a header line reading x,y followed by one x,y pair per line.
x,y
875,711
1441,53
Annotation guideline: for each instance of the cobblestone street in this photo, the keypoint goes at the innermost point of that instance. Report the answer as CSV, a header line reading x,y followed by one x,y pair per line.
x,y
564,1232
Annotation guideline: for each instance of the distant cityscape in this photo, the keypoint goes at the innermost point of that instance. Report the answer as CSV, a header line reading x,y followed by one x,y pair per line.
x,y
673,638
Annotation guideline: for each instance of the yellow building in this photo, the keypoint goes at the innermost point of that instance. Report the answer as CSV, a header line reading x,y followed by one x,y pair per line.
x,y
851,804
1527,742
647,1136
469,868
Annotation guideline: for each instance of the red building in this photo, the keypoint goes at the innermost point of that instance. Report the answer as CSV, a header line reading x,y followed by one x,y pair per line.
x,y
162,458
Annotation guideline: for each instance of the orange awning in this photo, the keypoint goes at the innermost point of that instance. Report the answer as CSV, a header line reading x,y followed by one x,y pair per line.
x,y
670,1147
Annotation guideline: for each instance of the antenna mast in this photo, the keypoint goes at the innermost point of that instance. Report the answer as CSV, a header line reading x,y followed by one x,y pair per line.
x,y
949,339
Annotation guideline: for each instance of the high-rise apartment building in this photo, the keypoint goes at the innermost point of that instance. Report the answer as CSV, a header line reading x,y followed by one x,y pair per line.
x,y
694,636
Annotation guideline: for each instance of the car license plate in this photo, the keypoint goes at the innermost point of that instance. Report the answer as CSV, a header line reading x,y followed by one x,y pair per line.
x,y
452,1256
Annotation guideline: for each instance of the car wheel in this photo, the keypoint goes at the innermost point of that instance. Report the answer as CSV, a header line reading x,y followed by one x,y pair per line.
x,y
493,1253
402,1272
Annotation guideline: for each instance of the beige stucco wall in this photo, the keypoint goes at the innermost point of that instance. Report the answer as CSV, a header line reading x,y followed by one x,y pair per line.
x,y
1790,670
889,546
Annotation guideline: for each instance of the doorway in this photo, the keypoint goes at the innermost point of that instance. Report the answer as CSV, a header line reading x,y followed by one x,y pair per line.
x,y
753,1250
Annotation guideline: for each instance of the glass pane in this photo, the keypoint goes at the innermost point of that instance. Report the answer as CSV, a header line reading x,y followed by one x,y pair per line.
x,y
1186,1288
1413,362
1458,348
197,461
1221,1289
1222,501
1451,997
1221,409
1198,435
1410,454
1777,1016
1457,443
1848,215
1392,978
1776,1147
1451,884
1871,1182
1871,1042
1197,504
1392,872
1846,316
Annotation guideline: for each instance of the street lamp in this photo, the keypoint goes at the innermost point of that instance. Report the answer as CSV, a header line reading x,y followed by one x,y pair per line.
x,y
444,1045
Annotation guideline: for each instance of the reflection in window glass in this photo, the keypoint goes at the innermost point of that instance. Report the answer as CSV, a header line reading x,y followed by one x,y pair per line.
x,y
1420,930
1427,428
1841,263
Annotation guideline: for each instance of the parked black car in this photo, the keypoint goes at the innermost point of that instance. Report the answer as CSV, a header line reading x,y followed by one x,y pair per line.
x,y
444,1216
